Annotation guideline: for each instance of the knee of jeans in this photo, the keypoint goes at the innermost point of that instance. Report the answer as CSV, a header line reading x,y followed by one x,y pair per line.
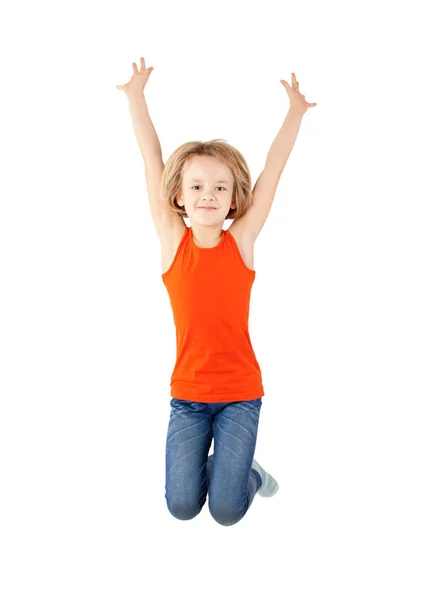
x,y
224,516
184,511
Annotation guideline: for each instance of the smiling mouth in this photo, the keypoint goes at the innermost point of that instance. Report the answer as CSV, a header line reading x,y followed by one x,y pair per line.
x,y
206,208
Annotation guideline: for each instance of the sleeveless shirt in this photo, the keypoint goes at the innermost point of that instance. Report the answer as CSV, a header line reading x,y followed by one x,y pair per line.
x,y
209,291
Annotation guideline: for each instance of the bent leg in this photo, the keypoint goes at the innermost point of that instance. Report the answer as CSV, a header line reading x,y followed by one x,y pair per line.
x,y
232,481
189,438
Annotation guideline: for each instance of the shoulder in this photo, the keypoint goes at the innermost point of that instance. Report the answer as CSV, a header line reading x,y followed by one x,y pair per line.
x,y
245,242
170,232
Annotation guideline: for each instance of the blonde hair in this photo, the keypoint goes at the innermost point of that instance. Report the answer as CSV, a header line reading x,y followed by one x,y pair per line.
x,y
171,181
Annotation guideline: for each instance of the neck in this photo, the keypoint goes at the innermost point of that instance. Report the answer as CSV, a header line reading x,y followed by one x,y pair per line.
x,y
206,237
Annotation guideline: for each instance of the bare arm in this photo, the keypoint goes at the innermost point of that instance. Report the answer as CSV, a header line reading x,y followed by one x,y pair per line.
x,y
265,187
282,145
151,150
146,136
145,132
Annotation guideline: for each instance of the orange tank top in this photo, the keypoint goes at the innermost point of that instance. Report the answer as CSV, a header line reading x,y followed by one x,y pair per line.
x,y
209,291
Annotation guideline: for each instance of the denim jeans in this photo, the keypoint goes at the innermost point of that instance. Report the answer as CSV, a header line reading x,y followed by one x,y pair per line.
x,y
226,475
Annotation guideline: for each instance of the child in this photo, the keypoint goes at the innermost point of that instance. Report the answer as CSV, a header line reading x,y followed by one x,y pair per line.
x,y
216,384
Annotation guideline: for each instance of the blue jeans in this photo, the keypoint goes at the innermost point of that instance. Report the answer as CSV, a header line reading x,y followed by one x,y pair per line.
x,y
226,476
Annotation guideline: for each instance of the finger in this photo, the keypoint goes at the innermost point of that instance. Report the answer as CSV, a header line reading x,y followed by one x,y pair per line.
x,y
143,68
135,69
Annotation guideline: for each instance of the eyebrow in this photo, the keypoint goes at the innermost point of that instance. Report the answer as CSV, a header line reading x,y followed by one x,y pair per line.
x,y
218,180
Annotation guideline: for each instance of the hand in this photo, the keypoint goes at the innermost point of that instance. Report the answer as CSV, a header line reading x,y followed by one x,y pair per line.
x,y
138,79
297,101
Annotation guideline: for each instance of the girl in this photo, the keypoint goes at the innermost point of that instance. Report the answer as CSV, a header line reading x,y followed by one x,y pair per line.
x,y
216,384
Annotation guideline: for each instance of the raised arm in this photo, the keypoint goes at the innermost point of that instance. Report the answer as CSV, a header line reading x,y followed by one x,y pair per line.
x,y
265,187
146,136
282,146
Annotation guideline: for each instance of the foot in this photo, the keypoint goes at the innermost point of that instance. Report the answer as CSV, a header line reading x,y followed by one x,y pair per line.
x,y
269,485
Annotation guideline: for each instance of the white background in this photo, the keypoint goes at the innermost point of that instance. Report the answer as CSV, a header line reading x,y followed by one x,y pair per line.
x,y
344,310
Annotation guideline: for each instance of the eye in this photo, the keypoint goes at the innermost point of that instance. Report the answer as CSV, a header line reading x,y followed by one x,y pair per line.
x,y
217,186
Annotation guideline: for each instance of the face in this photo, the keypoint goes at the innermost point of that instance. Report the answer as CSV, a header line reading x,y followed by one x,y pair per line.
x,y
206,182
